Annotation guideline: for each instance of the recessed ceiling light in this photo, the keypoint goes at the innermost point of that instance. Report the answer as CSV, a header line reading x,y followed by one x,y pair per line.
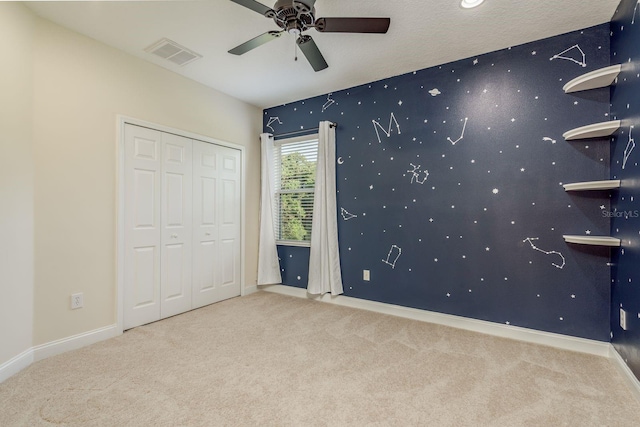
x,y
468,4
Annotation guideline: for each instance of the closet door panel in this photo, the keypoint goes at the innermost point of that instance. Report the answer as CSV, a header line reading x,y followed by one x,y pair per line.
x,y
177,202
142,235
229,209
206,256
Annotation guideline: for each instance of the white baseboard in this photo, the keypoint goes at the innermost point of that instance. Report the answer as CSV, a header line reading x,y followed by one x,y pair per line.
x,y
16,364
626,372
39,352
248,290
564,342
74,342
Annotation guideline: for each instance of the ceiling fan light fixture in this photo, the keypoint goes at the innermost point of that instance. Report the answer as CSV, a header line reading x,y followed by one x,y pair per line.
x,y
468,4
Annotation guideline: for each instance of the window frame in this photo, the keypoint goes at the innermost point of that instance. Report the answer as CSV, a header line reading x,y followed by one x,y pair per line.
x,y
277,170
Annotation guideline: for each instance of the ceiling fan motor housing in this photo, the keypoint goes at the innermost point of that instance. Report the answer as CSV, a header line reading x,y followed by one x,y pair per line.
x,y
293,16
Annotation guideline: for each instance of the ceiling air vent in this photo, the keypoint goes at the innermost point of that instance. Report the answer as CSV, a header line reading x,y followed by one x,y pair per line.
x,y
172,51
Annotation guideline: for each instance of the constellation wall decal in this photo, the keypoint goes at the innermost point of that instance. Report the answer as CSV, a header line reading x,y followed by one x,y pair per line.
x,y
329,102
273,120
631,145
394,253
346,215
534,247
551,140
392,120
416,172
462,135
635,9
436,92
562,55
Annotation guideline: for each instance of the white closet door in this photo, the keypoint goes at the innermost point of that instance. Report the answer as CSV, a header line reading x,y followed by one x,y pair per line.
x,y
216,221
206,277
182,224
229,229
176,217
142,226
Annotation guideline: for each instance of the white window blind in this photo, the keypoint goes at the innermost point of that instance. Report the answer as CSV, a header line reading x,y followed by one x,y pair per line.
x,y
295,174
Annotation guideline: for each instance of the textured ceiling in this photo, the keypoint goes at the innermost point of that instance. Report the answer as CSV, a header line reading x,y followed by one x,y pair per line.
x,y
423,33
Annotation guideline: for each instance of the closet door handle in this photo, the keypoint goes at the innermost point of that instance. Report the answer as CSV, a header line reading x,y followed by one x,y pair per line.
x,y
207,234
174,236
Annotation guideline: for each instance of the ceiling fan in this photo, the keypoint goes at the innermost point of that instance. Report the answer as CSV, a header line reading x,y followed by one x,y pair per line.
x,y
297,16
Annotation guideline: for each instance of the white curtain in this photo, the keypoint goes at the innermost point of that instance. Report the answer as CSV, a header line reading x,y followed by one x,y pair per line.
x,y
268,263
324,257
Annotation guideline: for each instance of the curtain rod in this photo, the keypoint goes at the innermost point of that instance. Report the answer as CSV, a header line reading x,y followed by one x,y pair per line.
x,y
333,125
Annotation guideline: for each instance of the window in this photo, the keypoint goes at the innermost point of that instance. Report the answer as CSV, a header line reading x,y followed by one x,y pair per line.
x,y
295,176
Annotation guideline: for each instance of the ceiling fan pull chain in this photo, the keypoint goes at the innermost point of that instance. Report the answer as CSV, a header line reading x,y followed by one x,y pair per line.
x,y
295,50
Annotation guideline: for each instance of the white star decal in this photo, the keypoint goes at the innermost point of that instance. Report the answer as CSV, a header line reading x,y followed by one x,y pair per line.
x,y
588,232
399,102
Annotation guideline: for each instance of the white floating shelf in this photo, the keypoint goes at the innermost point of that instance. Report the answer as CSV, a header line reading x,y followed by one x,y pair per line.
x,y
597,130
592,240
596,79
593,185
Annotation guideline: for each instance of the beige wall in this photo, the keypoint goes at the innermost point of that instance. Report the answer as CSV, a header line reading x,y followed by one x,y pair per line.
x,y
16,180
80,86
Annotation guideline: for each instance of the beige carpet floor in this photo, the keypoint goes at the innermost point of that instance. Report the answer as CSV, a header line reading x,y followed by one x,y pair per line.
x,y
269,359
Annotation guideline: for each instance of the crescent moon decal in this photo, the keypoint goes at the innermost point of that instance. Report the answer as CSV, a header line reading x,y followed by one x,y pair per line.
x,y
340,160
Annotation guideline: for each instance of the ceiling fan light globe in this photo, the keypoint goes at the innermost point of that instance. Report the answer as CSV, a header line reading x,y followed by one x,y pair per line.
x,y
468,4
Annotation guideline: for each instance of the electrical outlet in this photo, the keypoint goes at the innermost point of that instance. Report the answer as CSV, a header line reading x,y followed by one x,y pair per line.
x,y
77,301
623,319
366,275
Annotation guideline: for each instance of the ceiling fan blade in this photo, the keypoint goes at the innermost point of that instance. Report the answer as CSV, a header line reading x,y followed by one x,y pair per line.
x,y
255,6
353,25
255,42
312,53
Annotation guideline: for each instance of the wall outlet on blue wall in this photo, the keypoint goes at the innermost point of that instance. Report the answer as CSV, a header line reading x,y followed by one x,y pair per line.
x,y
623,319
366,275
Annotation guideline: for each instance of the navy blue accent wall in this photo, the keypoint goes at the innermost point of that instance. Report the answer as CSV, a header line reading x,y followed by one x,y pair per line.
x,y
294,263
625,98
450,187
